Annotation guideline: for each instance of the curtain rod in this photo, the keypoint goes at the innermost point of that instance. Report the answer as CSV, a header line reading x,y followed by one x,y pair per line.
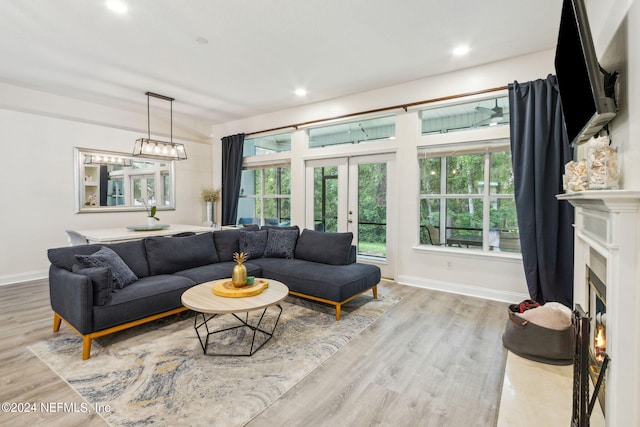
x,y
378,110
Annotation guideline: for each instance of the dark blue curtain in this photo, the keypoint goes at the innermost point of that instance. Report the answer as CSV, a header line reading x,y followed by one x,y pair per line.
x,y
232,147
540,149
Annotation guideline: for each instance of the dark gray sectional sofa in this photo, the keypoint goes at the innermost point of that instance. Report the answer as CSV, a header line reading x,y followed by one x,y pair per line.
x,y
101,289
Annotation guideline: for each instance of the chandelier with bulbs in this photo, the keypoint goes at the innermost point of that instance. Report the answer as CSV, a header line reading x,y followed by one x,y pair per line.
x,y
155,149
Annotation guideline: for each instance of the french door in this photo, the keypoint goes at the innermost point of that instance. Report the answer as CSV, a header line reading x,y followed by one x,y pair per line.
x,y
355,194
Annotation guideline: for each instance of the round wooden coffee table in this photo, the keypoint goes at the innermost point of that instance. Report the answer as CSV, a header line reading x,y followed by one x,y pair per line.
x,y
208,306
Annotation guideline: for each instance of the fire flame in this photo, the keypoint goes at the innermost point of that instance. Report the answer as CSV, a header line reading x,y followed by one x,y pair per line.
x,y
600,343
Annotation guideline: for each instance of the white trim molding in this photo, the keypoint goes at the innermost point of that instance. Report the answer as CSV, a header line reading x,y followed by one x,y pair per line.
x,y
463,289
607,227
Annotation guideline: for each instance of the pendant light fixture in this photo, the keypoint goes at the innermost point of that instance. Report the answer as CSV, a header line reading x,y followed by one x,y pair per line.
x,y
152,148
106,159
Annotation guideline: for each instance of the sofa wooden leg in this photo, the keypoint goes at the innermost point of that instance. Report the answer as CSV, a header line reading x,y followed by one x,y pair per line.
x,y
86,347
375,292
57,320
338,306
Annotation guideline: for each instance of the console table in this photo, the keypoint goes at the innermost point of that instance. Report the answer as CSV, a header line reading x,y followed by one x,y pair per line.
x,y
123,234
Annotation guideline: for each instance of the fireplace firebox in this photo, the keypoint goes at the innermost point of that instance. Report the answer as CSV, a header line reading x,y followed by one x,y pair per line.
x,y
598,333
586,368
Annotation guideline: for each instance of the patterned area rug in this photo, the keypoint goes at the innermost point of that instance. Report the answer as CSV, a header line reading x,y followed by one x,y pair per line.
x,y
157,373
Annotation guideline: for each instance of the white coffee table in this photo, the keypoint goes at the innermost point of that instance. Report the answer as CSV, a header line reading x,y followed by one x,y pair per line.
x,y
208,306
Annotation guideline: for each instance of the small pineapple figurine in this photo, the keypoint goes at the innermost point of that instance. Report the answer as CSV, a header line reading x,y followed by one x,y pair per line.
x,y
239,275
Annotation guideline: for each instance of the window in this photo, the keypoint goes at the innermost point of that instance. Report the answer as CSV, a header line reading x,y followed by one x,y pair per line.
x,y
265,195
269,144
356,132
466,197
467,115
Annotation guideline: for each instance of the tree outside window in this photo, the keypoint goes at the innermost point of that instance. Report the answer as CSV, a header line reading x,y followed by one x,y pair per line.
x,y
265,196
467,200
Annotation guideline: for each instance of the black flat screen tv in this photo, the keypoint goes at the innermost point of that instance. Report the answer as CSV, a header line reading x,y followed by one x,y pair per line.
x,y
586,107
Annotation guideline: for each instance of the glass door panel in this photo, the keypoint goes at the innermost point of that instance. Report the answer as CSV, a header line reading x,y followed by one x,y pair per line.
x,y
351,194
325,198
143,189
326,195
372,209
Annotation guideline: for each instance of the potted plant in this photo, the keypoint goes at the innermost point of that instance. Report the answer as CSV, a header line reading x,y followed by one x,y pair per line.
x,y
152,219
210,196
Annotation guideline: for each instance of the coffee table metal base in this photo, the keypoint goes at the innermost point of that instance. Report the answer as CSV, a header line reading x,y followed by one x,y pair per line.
x,y
201,321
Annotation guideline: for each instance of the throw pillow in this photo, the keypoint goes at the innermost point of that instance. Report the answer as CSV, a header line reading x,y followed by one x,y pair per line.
x,y
101,280
281,243
252,243
226,243
167,255
106,257
327,248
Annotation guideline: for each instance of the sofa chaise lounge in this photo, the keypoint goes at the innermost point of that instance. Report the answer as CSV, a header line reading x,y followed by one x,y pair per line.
x,y
101,289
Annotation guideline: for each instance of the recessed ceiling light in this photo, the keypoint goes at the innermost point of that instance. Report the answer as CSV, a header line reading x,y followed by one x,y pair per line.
x,y
461,50
301,91
116,6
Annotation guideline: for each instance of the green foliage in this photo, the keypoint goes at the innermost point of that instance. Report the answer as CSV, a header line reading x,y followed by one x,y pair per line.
x,y
210,194
152,213
465,175
274,182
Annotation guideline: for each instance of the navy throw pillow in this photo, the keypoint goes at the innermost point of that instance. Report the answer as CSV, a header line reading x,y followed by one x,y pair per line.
x,y
101,280
281,243
167,255
226,243
252,243
106,257
327,248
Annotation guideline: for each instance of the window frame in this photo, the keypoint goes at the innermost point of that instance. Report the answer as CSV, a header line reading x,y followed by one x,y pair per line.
x,y
275,138
470,145
260,195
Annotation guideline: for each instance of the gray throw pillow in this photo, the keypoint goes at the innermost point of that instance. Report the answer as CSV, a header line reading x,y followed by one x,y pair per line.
x,y
226,243
101,280
281,243
106,257
167,255
326,248
252,243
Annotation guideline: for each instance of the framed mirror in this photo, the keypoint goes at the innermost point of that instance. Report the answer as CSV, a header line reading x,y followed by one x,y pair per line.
x,y
108,181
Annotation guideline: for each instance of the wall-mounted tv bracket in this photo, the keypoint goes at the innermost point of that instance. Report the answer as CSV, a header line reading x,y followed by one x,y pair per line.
x,y
609,80
609,83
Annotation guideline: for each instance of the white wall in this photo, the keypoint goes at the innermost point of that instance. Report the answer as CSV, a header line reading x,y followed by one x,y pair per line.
x,y
617,41
37,178
616,27
497,277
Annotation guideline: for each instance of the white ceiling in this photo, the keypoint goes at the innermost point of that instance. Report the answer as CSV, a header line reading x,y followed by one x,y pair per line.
x,y
258,51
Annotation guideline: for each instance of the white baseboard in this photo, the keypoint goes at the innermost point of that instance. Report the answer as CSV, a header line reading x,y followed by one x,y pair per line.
x,y
457,288
28,276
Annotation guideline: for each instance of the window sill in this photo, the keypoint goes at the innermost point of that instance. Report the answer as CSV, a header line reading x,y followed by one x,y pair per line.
x,y
466,253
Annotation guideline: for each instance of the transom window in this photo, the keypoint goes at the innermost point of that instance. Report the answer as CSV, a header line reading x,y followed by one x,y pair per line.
x,y
356,132
466,197
268,144
467,115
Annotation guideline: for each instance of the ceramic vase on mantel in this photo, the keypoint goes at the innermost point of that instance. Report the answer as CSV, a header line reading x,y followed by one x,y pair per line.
x,y
151,221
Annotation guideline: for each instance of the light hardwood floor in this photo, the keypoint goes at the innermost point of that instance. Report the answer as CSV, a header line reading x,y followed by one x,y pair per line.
x,y
393,345
26,318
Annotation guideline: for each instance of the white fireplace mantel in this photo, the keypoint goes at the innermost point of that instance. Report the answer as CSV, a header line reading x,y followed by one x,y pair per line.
x,y
607,225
